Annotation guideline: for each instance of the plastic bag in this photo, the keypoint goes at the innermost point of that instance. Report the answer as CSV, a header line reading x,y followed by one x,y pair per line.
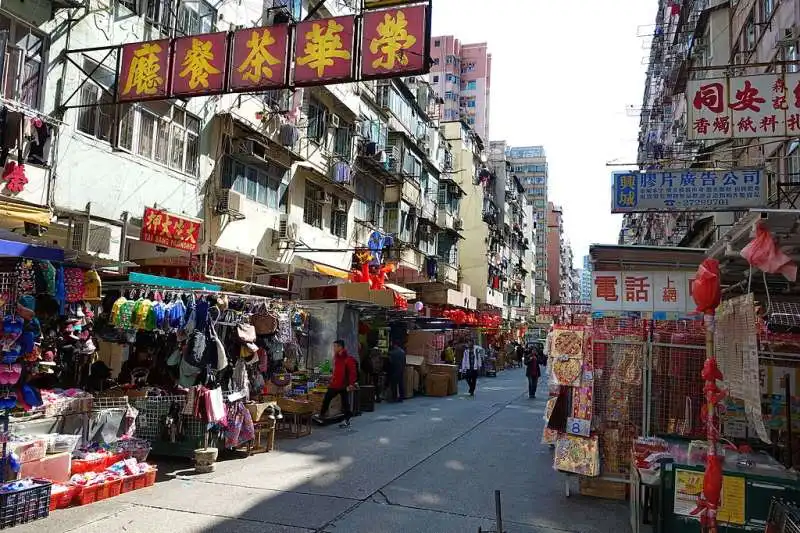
x,y
764,254
706,290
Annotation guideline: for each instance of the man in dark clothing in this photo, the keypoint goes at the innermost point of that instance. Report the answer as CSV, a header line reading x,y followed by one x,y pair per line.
x,y
397,368
520,355
342,382
533,372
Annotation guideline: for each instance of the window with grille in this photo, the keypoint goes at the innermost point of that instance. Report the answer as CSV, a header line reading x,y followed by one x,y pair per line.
x,y
22,66
338,221
164,133
317,121
158,14
343,142
312,207
368,203
96,118
196,17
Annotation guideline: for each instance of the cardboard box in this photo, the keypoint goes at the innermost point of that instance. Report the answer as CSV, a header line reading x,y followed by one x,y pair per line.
x,y
346,291
54,467
411,381
383,297
451,371
30,450
436,385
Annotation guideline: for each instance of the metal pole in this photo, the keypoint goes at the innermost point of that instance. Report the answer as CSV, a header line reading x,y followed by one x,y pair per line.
x,y
498,511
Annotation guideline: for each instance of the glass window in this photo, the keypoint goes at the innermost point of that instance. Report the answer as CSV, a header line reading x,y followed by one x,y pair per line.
x,y
196,17
23,68
258,184
165,134
343,142
338,220
312,207
159,15
317,121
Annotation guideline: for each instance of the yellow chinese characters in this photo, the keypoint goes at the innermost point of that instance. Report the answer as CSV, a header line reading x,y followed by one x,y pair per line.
x,y
260,60
197,64
144,73
393,38
323,46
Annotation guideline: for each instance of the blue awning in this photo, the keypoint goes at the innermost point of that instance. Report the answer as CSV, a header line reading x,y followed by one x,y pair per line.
x,y
30,251
171,283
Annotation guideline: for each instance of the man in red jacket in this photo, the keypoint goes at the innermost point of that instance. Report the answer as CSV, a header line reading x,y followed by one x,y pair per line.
x,y
342,382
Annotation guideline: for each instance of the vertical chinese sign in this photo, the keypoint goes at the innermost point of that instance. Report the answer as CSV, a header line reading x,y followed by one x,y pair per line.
x,y
172,231
144,71
199,63
625,190
741,107
393,42
324,51
793,103
259,58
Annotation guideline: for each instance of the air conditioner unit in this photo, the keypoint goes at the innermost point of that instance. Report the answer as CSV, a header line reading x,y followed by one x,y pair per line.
x,y
324,197
230,201
458,224
286,230
334,121
340,205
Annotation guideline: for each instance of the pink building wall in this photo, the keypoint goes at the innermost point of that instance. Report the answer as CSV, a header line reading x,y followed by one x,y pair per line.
x,y
461,76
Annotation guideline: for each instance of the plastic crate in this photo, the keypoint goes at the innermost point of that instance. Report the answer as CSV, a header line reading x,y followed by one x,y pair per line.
x,y
25,505
130,483
150,477
81,466
62,500
87,495
109,489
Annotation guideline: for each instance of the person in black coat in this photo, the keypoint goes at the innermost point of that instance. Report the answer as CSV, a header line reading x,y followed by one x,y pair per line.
x,y
533,372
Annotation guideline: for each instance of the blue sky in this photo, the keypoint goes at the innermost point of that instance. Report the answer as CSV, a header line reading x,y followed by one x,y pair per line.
x,y
564,75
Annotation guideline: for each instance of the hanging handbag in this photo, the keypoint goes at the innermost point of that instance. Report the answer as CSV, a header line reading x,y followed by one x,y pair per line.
x,y
264,323
246,333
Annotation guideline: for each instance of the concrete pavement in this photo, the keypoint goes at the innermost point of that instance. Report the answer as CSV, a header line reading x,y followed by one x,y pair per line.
x,y
426,465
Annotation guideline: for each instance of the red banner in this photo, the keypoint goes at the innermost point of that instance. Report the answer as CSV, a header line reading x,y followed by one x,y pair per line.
x,y
173,231
259,57
394,42
144,71
199,64
324,51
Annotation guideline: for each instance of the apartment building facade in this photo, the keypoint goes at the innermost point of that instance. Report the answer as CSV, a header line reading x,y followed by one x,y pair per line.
x,y
707,39
283,181
530,165
461,75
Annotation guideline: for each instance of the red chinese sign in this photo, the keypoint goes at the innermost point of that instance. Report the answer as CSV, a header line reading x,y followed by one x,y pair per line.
x,y
173,231
606,288
259,58
324,51
393,41
649,292
743,107
199,64
144,71
549,310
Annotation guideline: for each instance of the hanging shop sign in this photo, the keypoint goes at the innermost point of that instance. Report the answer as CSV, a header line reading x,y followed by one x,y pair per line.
x,y
549,310
394,43
688,190
745,107
643,291
373,4
163,228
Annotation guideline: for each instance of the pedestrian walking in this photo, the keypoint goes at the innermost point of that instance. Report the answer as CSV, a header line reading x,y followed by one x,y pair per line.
x,y
520,355
470,364
397,369
342,383
533,372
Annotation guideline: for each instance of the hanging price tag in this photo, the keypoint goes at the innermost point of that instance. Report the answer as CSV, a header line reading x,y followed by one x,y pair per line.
x,y
579,426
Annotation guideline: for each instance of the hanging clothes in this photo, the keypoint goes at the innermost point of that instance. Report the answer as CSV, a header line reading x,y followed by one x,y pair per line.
x,y
240,427
40,136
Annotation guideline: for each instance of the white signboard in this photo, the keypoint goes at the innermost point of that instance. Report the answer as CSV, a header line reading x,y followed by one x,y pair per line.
x,y
744,107
668,291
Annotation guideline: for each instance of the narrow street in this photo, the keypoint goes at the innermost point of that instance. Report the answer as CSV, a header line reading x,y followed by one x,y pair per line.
x,y
429,464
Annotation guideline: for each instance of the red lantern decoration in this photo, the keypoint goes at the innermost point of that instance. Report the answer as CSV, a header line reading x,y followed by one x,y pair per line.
x,y
706,288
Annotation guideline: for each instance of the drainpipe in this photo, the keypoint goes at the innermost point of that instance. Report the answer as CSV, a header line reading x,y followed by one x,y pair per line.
x,y
123,242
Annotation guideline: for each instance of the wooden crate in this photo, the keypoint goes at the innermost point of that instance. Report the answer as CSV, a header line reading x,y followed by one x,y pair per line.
x,y
601,488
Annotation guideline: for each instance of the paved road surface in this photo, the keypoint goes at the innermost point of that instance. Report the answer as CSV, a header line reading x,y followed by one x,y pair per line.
x,y
427,465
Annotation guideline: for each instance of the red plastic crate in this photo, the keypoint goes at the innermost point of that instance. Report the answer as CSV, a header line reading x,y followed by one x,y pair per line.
x,y
150,477
87,495
140,481
81,466
109,489
64,499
